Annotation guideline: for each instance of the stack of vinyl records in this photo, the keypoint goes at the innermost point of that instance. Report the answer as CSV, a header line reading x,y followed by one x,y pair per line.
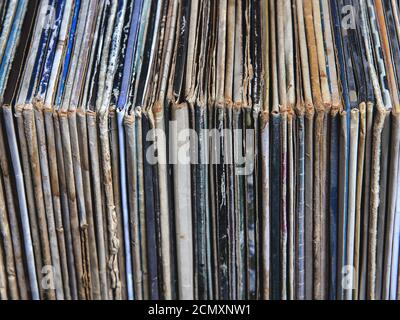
x,y
185,149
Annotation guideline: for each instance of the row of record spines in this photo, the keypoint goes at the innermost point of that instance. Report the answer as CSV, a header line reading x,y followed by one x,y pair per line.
x,y
255,66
